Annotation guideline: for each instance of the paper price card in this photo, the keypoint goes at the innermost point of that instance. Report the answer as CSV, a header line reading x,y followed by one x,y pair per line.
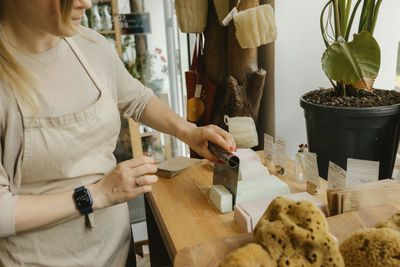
x,y
336,176
361,171
280,155
268,146
312,168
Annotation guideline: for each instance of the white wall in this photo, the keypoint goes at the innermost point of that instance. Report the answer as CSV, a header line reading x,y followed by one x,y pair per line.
x,y
298,52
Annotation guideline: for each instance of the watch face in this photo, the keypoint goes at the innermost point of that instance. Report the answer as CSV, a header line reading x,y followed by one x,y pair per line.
x,y
82,199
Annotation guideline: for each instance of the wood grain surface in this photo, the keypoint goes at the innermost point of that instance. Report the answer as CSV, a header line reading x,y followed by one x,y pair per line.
x,y
211,253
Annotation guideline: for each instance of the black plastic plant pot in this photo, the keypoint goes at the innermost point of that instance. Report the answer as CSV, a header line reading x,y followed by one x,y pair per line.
x,y
338,133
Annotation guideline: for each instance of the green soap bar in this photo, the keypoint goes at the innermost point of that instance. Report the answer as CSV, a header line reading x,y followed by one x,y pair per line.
x,y
222,198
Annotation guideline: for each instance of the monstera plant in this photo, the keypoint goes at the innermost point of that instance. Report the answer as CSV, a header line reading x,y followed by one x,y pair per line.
x,y
352,119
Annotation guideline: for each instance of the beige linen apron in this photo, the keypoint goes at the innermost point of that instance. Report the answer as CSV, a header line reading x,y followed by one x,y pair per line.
x,y
60,154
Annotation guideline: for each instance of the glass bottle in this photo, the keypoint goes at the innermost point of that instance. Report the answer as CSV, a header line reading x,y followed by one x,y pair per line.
x,y
299,168
299,164
95,19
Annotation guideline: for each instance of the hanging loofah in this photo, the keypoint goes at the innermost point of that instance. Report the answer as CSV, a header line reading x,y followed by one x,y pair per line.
x,y
255,26
192,15
243,130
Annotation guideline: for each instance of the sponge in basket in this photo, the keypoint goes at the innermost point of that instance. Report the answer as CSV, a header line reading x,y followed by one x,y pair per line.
x,y
251,255
372,247
296,234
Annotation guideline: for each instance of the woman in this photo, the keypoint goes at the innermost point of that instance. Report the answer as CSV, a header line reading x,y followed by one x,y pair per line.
x,y
62,197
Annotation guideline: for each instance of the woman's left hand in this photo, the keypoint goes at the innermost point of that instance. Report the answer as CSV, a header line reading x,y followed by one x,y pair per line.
x,y
198,137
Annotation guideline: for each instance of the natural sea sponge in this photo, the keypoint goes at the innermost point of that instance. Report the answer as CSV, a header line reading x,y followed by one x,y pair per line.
x,y
372,247
296,234
251,255
393,222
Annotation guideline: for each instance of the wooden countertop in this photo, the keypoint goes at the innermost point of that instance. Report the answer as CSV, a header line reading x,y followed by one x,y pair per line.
x,y
185,214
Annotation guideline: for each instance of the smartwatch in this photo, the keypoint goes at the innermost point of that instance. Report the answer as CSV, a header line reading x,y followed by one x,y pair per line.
x,y
83,200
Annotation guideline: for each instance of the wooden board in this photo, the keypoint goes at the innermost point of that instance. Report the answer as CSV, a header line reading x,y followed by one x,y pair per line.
x,y
185,214
342,226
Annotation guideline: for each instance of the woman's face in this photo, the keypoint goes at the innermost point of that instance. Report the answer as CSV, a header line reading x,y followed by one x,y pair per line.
x,y
45,15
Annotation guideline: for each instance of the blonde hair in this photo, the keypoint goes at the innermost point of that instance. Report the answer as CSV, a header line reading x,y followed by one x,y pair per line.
x,y
13,74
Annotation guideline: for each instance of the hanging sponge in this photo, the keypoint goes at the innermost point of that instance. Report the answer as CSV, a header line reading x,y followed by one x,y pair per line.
x,y
191,15
243,131
255,26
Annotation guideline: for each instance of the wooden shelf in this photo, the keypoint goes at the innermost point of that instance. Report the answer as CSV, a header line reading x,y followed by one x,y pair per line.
x,y
107,32
154,133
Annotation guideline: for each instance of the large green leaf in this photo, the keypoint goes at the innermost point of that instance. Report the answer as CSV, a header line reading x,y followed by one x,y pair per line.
x,y
356,63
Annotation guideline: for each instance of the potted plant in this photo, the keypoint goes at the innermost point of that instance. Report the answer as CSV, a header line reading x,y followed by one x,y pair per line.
x,y
352,119
150,68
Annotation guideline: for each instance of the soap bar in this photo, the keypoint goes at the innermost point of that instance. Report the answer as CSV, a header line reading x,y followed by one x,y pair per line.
x,y
222,198
266,186
246,154
246,215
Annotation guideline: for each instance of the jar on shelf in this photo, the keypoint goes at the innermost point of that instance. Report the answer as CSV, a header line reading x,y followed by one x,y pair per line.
x,y
95,19
106,19
85,20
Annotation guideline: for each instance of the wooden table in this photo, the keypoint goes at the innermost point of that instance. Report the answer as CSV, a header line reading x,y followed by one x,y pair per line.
x,y
180,213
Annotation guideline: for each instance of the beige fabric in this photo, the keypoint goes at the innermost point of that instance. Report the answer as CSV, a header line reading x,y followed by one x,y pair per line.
x,y
255,26
66,152
55,88
130,95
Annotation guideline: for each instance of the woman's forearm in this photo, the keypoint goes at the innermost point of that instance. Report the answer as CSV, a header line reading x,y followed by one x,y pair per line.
x,y
36,211
161,118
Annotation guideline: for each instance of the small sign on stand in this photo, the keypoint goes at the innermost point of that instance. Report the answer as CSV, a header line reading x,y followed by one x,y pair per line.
x,y
135,23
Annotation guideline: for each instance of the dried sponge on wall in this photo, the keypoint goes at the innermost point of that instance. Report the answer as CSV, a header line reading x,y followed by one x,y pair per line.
x,y
393,222
255,26
191,15
296,234
372,247
251,255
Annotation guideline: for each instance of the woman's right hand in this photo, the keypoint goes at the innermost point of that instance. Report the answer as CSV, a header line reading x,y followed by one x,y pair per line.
x,y
126,181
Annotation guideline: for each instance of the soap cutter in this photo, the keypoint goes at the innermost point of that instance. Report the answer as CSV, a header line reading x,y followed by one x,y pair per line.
x,y
227,172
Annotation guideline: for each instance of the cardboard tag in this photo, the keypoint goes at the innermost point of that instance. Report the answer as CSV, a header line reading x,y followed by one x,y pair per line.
x,y
311,168
336,176
280,155
361,171
229,17
268,146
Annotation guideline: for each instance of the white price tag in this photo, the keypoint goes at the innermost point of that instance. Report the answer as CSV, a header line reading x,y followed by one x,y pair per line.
x,y
280,152
312,168
197,92
229,17
361,171
268,146
336,176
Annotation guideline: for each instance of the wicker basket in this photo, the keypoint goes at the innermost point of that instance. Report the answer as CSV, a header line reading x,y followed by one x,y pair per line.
x,y
192,15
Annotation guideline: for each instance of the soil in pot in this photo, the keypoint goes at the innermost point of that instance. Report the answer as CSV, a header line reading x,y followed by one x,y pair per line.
x,y
361,99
